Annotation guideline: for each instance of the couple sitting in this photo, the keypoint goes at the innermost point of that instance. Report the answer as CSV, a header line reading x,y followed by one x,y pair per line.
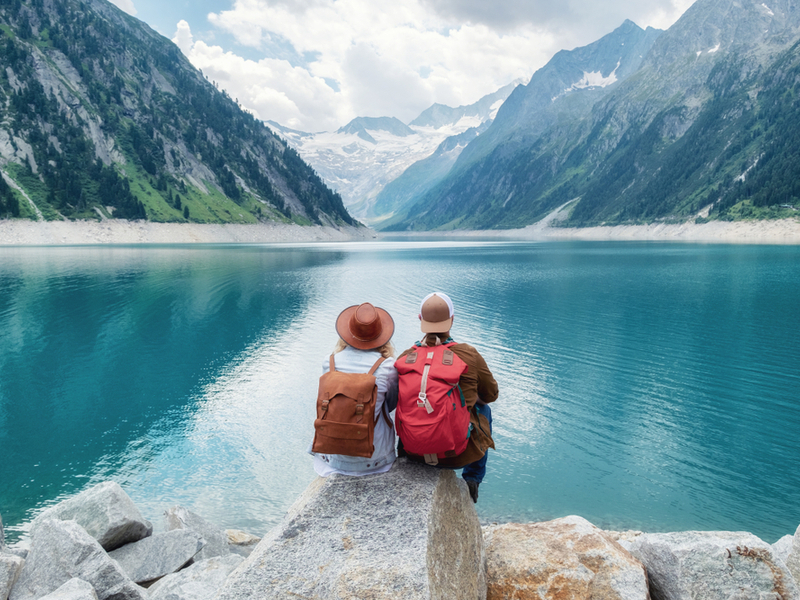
x,y
433,375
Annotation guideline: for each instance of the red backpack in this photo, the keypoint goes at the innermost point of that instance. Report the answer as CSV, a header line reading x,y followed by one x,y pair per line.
x,y
432,417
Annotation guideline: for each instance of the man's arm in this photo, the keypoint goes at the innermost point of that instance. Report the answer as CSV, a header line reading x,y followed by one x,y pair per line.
x,y
487,386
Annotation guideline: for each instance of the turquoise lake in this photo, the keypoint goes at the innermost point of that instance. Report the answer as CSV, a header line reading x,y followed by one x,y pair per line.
x,y
645,386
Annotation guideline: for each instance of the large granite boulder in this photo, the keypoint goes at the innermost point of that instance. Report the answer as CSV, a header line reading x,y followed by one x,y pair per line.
x,y
783,548
105,511
410,533
158,555
793,560
565,558
10,568
62,550
74,589
216,540
198,582
712,565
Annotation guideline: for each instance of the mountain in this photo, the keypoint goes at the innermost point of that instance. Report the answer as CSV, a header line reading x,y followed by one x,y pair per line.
x,y
362,157
702,125
562,90
100,116
422,176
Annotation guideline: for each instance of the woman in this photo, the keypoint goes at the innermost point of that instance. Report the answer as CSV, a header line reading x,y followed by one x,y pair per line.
x,y
365,332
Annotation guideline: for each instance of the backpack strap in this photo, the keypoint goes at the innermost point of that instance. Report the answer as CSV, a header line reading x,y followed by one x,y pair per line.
x,y
333,365
386,417
376,365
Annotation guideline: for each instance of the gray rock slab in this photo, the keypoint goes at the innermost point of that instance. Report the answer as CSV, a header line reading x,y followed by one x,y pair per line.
x,y
74,589
198,582
216,539
564,558
158,555
410,533
63,550
793,561
783,547
10,568
241,543
713,565
105,511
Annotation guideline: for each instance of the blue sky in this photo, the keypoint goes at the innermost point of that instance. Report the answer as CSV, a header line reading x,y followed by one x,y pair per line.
x,y
314,65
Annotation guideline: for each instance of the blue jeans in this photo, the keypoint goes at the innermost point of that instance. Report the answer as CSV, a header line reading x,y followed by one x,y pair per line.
x,y
477,470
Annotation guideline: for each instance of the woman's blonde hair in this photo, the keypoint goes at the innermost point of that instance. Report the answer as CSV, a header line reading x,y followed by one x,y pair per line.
x,y
386,351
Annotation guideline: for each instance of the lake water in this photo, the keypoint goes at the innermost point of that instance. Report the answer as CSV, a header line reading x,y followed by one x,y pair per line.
x,y
643,386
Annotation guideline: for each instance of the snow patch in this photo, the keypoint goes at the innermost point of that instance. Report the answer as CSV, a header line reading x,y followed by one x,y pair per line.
x,y
769,12
714,49
494,108
592,80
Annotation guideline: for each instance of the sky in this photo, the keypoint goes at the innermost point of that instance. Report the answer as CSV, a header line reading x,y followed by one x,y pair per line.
x,y
314,65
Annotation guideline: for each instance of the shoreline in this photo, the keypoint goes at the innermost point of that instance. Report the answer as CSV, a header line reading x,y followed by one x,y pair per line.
x,y
14,232
773,232
19,232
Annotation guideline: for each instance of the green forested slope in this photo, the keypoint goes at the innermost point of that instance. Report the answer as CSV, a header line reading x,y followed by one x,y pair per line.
x,y
99,115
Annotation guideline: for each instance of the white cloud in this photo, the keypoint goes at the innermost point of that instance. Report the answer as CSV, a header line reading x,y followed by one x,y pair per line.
x,y
395,57
183,37
126,5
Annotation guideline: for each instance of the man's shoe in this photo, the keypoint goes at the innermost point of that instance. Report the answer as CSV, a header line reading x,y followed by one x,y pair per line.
x,y
473,490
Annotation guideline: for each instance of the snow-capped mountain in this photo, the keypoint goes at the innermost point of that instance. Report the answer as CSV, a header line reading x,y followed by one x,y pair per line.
x,y
362,157
699,121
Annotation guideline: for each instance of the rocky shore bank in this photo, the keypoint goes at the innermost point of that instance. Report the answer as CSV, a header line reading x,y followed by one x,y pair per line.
x,y
410,533
20,232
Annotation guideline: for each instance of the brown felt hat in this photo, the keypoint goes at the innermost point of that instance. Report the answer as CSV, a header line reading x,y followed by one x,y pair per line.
x,y
364,326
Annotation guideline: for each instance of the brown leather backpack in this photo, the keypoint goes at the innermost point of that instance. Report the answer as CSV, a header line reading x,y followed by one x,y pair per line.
x,y
345,422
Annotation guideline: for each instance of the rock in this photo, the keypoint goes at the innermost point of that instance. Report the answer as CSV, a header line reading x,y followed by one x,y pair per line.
x,y
240,542
62,550
216,539
782,548
712,566
793,561
565,558
106,512
410,533
2,535
624,538
10,568
198,582
74,589
158,555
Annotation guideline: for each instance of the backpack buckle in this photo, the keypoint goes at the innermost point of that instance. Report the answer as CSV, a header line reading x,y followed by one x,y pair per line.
x,y
423,401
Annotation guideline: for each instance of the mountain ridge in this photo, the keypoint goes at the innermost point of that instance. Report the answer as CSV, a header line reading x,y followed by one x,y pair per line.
x,y
696,108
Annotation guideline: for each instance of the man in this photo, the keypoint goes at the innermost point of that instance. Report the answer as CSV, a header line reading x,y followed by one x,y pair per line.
x,y
477,386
